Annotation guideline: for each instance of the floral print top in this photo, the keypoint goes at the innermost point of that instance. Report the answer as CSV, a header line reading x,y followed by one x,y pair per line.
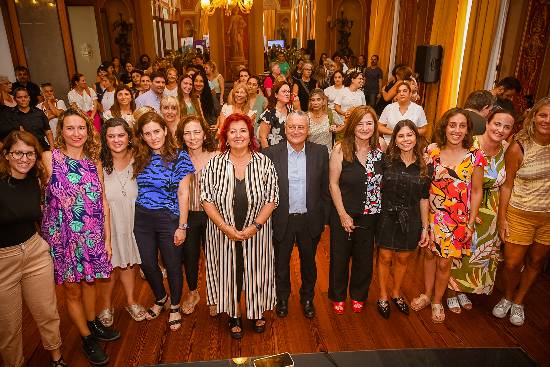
x,y
276,120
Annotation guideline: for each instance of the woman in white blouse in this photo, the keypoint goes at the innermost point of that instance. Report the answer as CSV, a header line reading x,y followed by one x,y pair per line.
x,y
352,96
333,92
84,98
171,88
403,109
123,106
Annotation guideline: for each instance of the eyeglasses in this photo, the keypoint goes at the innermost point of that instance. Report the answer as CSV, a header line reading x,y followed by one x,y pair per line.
x,y
18,155
295,127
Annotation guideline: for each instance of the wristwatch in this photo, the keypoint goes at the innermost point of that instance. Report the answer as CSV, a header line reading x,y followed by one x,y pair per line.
x,y
257,225
183,226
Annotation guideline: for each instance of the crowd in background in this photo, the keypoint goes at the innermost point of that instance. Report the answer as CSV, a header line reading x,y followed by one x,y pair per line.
x,y
151,162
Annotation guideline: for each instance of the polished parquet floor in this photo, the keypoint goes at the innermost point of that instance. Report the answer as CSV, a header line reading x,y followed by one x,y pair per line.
x,y
204,338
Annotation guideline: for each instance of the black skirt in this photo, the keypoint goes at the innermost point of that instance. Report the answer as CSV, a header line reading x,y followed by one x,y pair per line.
x,y
398,235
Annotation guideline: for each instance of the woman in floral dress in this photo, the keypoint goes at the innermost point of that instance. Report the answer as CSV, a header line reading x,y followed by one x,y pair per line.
x,y
455,196
476,273
75,224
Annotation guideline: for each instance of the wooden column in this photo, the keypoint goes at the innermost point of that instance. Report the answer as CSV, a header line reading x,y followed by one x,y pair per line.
x,y
256,38
144,27
217,52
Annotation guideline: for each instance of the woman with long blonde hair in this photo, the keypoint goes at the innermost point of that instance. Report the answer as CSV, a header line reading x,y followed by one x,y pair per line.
x,y
238,102
215,80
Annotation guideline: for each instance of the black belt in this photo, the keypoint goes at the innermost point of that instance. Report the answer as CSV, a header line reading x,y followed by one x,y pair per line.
x,y
296,214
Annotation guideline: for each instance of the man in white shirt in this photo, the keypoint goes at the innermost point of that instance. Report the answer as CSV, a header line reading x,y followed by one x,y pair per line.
x,y
152,97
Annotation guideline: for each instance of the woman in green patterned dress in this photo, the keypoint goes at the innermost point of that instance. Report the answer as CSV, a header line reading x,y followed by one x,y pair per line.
x,y
476,273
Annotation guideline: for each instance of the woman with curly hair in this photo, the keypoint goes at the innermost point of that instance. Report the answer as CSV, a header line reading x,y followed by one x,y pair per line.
x,y
76,224
26,267
162,172
455,196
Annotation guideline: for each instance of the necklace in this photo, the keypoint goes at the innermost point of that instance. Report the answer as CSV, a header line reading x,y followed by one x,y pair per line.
x,y
124,181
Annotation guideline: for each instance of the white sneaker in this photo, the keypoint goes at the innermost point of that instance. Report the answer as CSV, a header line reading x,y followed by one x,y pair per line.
x,y
501,309
517,315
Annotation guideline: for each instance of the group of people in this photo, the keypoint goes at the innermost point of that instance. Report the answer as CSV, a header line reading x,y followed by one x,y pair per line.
x,y
157,178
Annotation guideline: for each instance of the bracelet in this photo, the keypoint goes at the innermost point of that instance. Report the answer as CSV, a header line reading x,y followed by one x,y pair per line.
x,y
257,225
183,226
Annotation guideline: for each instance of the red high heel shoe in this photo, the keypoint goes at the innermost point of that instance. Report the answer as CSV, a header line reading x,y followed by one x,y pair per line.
x,y
338,307
357,306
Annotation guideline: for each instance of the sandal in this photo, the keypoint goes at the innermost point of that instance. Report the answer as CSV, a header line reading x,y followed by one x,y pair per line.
x,y
338,307
175,324
106,317
192,299
151,314
401,305
438,313
383,307
59,363
357,306
464,301
420,302
236,322
136,311
261,327
453,305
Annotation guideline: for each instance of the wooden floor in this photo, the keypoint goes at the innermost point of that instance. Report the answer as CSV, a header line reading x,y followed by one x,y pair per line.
x,y
203,337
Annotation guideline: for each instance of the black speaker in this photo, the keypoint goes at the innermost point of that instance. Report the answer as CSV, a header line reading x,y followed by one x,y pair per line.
x,y
311,49
428,63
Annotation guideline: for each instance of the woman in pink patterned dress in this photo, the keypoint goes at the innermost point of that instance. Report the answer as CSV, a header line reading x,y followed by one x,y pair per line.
x,y
75,223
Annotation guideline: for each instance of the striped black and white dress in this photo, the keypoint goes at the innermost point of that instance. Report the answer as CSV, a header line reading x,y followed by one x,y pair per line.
x,y
217,185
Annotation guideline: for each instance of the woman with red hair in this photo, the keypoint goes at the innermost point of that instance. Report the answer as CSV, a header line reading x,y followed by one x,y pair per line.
x,y
239,192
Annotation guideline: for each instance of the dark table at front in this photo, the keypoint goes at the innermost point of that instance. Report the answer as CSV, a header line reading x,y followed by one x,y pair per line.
x,y
469,357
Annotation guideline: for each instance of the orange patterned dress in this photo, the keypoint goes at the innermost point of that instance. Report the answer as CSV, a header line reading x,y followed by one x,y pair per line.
x,y
450,191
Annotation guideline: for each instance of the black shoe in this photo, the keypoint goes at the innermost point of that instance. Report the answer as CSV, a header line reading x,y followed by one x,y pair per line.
x,y
233,323
383,308
93,351
401,305
259,328
309,310
101,332
282,308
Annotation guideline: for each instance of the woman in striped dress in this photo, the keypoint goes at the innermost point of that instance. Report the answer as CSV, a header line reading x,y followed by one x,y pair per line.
x,y
239,192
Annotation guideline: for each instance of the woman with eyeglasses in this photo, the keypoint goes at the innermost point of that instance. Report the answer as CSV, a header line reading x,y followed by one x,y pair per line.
x,y
272,125
26,267
303,85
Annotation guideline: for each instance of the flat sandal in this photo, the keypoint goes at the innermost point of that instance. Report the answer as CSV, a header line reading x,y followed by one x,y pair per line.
x,y
438,313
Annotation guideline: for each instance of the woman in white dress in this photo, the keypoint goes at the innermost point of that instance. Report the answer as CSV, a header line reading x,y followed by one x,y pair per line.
x,y
121,192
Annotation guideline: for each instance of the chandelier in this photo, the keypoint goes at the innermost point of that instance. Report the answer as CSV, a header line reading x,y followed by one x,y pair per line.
x,y
210,6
